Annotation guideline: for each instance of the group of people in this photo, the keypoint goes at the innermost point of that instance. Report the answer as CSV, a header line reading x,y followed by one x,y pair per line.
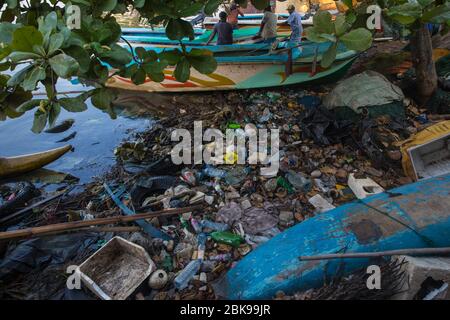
x,y
268,30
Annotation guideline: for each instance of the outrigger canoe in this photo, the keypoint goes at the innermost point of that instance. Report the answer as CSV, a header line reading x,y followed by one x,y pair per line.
x,y
412,216
22,164
248,67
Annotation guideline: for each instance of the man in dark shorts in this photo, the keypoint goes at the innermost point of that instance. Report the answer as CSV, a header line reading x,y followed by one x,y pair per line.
x,y
224,31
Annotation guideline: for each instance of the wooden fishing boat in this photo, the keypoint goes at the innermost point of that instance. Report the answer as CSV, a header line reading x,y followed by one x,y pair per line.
x,y
17,165
412,216
158,36
247,67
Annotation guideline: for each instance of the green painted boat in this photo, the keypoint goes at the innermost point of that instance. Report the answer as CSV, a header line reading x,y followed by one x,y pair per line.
x,y
250,67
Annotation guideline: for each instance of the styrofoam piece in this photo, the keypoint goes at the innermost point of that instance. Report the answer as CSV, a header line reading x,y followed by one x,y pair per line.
x,y
116,270
320,203
362,188
431,159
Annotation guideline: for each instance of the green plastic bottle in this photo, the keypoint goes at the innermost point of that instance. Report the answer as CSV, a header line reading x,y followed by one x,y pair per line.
x,y
229,238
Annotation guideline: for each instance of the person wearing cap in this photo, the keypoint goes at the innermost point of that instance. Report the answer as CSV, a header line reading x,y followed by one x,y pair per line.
x,y
224,31
295,22
268,29
233,17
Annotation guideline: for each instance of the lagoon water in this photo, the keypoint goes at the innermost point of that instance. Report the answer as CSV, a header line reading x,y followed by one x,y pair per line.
x,y
96,137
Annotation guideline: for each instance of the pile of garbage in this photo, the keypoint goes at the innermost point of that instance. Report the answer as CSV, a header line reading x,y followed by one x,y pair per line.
x,y
326,159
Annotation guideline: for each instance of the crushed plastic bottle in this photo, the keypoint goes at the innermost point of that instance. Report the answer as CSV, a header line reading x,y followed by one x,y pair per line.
x,y
212,172
299,181
216,226
236,175
183,278
201,240
229,238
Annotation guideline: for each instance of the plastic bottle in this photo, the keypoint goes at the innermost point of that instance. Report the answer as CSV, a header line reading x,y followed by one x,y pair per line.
x,y
221,257
183,278
216,226
214,172
299,181
196,225
229,238
283,183
201,240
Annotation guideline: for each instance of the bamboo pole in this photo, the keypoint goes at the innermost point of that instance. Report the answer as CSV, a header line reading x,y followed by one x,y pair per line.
x,y
30,232
411,252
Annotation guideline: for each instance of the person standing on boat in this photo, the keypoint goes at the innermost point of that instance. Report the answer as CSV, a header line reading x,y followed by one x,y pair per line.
x,y
268,29
295,22
233,17
224,31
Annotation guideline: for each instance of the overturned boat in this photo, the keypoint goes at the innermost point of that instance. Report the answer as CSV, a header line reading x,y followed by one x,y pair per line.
x,y
14,166
411,216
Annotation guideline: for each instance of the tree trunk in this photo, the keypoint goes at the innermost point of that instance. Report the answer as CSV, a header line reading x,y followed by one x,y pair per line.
x,y
422,57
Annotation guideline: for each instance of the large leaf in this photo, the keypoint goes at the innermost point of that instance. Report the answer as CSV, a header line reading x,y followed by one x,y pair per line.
x,y
64,66
76,104
203,61
40,121
329,56
406,13
6,31
183,70
32,78
25,38
314,36
260,4
211,6
322,21
178,29
359,39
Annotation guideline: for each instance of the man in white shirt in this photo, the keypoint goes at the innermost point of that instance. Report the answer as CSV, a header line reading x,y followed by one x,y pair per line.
x,y
268,29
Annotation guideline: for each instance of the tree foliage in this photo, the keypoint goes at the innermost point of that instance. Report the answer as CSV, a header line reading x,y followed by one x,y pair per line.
x,y
37,48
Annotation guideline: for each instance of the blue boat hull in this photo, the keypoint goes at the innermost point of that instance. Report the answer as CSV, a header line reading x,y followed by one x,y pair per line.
x,y
412,216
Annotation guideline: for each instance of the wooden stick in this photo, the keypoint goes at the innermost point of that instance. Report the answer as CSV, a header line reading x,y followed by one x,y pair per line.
x,y
412,252
37,204
93,229
29,232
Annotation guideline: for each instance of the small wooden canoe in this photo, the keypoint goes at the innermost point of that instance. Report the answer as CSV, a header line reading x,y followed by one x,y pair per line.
x,y
22,164
412,216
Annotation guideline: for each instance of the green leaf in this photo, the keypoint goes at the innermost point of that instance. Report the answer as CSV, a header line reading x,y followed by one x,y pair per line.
x,y
183,70
56,41
312,35
117,56
54,111
19,76
25,38
139,76
203,61
81,56
438,14
425,3
40,121
341,25
48,24
329,56
177,29
102,98
406,13
18,56
64,66
76,104
172,56
28,105
107,5
322,22
359,39
32,78
6,31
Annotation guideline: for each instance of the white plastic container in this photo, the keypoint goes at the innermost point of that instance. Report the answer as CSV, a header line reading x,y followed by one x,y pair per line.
x,y
116,270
